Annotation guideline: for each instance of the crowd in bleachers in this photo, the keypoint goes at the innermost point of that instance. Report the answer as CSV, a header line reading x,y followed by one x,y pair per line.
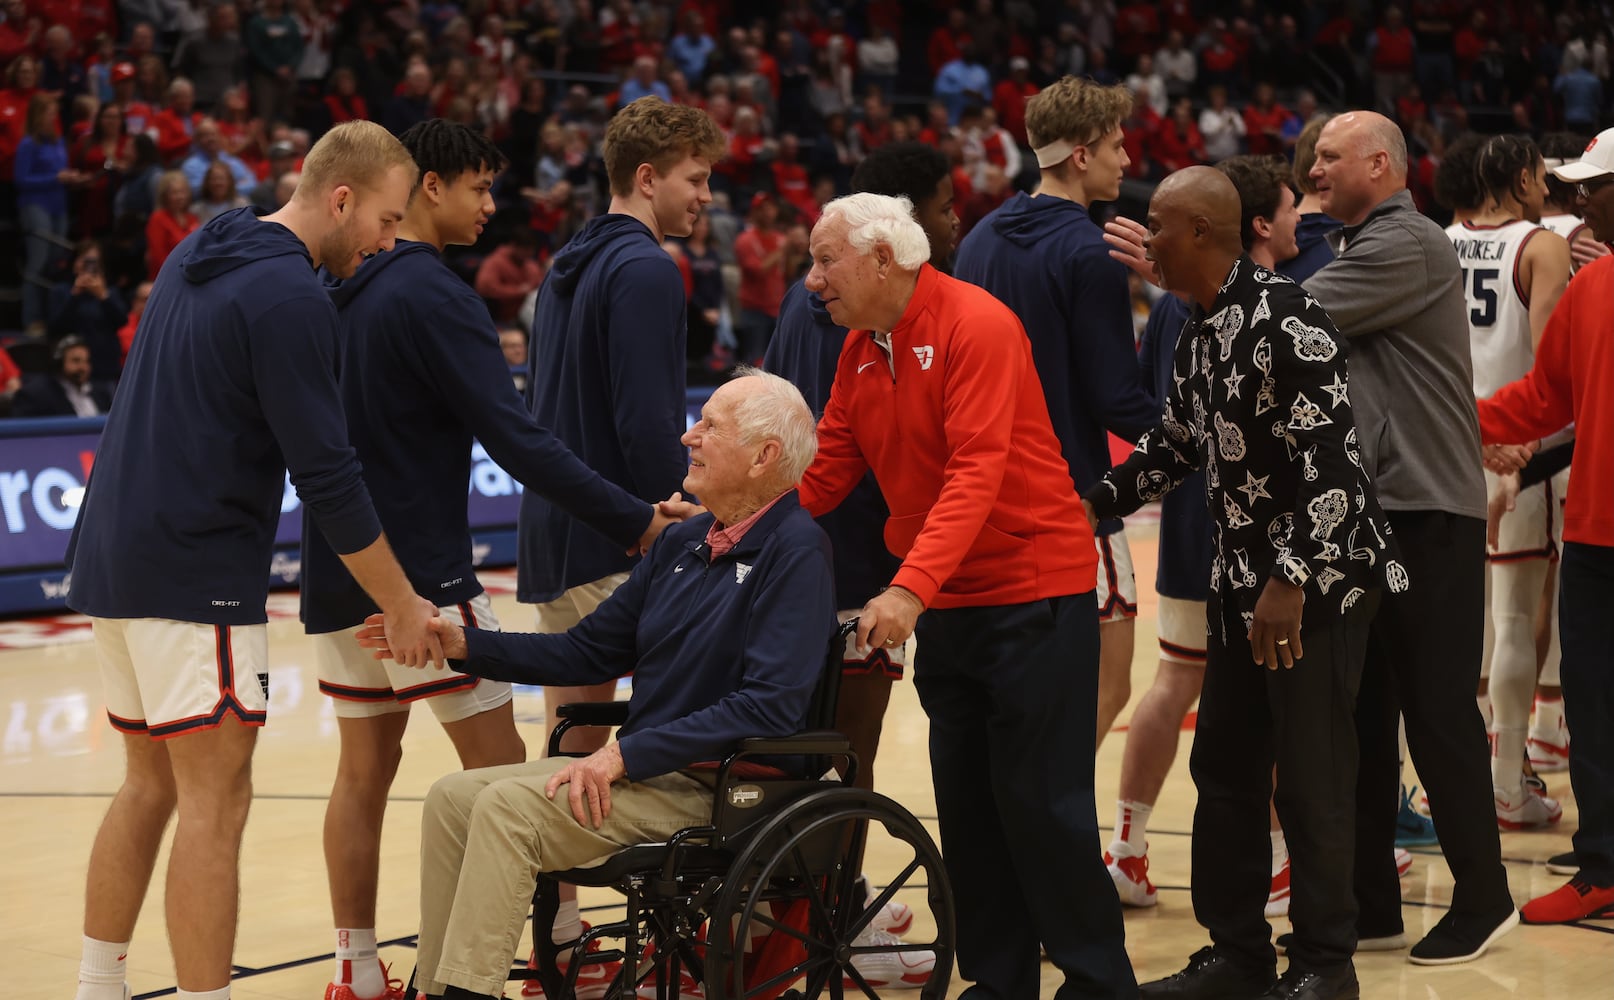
x,y
130,124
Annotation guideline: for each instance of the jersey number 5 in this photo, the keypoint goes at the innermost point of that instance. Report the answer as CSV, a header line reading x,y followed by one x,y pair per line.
x,y
1483,298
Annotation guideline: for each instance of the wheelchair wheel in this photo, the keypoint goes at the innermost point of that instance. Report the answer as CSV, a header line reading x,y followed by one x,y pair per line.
x,y
794,896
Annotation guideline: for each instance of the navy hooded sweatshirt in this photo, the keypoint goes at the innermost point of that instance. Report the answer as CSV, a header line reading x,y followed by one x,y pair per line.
x,y
606,374
421,375
1315,252
1046,259
231,382
806,349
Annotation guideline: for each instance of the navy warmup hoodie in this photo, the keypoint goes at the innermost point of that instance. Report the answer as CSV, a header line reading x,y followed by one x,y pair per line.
x,y
1315,253
231,382
1046,259
421,375
606,374
806,348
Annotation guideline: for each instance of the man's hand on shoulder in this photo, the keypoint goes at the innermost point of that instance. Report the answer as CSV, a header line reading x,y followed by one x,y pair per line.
x,y
589,781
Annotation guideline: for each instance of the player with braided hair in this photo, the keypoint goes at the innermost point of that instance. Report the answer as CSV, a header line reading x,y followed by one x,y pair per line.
x,y
1514,271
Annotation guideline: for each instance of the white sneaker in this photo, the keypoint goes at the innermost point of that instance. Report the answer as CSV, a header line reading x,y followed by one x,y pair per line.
x,y
1526,808
891,970
1403,862
1131,878
895,917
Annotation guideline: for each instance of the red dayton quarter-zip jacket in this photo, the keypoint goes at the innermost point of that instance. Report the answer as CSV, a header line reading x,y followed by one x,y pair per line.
x,y
1573,380
954,426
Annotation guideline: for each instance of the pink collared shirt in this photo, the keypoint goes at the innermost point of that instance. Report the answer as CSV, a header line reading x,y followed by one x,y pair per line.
x,y
723,539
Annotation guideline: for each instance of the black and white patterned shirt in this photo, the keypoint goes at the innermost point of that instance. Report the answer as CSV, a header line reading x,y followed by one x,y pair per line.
x,y
1259,400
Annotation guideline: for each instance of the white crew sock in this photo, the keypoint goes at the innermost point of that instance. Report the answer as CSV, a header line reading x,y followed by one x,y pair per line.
x,y
1280,851
357,963
1548,723
568,923
1131,829
1507,760
1484,702
222,993
102,970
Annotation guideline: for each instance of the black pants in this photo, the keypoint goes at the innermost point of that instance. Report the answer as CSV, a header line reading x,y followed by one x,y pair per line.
x,y
1586,636
1424,660
1300,719
1012,695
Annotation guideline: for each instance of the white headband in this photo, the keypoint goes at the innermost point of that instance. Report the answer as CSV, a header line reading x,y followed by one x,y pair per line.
x,y
1055,153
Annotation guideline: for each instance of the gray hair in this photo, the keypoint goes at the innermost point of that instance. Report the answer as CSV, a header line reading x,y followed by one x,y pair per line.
x,y
778,413
872,219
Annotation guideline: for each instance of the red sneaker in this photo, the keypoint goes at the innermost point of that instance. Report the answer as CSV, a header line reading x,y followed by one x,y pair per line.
x,y
1131,878
394,989
1578,900
593,979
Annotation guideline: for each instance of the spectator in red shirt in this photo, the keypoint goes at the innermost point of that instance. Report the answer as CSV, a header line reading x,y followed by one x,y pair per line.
x,y
22,80
177,122
790,177
1467,47
20,33
760,252
937,124
874,130
344,103
947,42
1264,119
1138,132
509,274
1220,59
170,223
1137,29
747,146
1391,50
1009,98
101,159
988,198
1178,143
137,307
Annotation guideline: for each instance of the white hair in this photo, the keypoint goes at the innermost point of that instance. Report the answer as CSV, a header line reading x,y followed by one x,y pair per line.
x,y
777,412
872,219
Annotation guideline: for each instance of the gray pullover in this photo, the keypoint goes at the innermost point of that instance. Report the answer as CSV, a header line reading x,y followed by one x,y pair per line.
x,y
1395,291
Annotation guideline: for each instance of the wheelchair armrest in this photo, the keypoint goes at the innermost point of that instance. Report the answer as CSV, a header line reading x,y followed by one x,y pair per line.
x,y
594,713
821,741
580,714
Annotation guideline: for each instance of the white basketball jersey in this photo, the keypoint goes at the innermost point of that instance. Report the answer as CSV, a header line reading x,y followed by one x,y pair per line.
x,y
1498,304
1567,226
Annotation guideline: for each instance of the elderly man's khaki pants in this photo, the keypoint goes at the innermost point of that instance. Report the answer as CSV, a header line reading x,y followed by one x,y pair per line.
x,y
487,833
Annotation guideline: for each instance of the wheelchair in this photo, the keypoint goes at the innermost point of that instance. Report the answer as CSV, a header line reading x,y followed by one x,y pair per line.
x,y
779,862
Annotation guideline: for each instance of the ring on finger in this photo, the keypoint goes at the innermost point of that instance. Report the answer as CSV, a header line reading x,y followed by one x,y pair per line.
x,y
1283,642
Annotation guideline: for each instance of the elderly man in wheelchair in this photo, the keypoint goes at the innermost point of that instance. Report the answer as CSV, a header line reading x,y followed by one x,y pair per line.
x,y
724,626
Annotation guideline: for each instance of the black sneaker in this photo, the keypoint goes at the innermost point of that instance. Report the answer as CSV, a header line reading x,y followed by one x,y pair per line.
x,y
1298,984
1459,938
1209,976
1563,864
